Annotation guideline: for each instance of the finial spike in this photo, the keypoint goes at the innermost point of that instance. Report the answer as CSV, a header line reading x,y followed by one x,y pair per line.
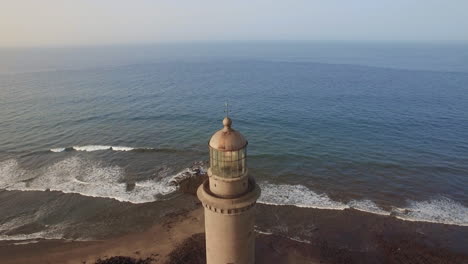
x,y
226,109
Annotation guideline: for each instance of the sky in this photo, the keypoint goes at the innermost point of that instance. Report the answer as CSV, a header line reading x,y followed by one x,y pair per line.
x,y
104,22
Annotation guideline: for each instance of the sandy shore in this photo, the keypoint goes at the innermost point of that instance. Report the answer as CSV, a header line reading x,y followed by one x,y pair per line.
x,y
157,242
285,234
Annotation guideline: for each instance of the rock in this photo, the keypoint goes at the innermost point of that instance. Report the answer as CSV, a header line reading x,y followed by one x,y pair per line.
x,y
191,250
189,180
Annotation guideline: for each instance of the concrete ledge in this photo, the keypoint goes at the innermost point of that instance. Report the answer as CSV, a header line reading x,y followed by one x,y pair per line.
x,y
228,205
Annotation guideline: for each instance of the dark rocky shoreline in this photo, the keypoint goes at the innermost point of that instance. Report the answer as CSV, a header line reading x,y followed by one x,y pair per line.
x,y
285,234
338,237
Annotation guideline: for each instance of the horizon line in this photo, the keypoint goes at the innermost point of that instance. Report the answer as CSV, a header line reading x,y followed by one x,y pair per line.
x,y
273,41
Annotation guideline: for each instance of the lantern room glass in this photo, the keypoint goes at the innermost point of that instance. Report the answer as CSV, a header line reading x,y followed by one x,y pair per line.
x,y
228,164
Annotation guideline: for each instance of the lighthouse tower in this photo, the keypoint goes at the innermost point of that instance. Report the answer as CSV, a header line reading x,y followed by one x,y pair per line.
x,y
229,197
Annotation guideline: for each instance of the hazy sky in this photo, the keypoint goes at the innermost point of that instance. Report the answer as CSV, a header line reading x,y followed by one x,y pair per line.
x,y
90,22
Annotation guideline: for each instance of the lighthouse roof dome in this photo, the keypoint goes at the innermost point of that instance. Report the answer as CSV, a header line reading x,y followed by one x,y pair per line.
x,y
227,139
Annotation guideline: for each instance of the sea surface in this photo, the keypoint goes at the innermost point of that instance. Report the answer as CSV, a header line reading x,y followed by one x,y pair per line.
x,y
91,137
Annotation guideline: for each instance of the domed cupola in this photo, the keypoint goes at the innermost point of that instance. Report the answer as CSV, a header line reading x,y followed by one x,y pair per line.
x,y
227,139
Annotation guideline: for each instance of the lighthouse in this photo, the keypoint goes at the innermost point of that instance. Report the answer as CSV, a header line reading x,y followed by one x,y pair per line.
x,y
228,197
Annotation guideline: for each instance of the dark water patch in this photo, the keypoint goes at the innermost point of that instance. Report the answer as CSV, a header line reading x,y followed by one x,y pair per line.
x,y
55,215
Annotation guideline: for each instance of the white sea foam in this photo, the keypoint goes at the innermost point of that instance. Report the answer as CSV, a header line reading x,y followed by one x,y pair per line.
x,y
91,148
50,232
269,233
81,176
26,242
37,235
367,206
441,210
121,148
77,175
20,237
263,232
15,223
89,178
57,149
297,195
10,172
300,240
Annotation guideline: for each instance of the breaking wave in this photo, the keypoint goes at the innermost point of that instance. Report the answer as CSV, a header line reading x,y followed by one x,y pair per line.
x,y
50,232
84,177
441,210
91,178
90,148
367,206
33,237
88,178
297,195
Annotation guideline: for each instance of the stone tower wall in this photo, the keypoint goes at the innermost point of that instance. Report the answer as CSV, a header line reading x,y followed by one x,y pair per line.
x,y
230,238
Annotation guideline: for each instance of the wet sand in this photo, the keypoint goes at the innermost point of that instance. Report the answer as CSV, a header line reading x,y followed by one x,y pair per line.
x,y
285,234
352,236
156,242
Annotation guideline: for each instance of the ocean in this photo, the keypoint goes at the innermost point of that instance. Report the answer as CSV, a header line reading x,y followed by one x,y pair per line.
x,y
91,138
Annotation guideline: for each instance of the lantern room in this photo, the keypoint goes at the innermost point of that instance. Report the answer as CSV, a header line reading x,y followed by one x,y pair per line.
x,y
228,168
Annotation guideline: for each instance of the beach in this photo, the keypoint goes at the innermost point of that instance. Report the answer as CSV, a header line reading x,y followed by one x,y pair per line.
x,y
284,234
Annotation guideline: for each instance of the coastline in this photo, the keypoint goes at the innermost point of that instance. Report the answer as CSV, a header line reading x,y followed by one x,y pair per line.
x,y
285,234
